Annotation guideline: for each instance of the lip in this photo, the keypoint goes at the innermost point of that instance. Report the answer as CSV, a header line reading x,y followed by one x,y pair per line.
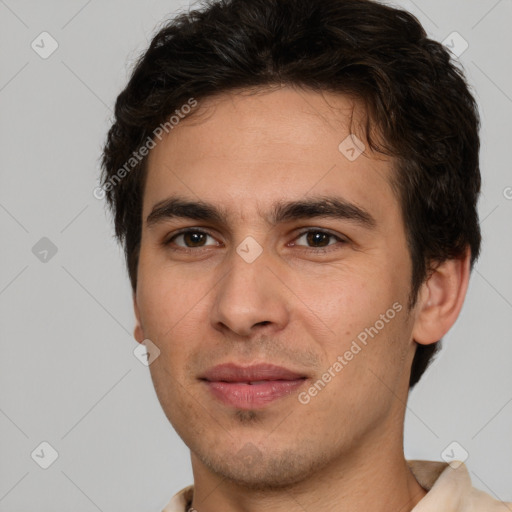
x,y
251,387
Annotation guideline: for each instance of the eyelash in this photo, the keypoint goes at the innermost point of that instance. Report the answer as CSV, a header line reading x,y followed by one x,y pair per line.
x,y
167,243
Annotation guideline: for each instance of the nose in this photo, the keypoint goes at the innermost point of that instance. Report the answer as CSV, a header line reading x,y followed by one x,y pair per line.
x,y
250,298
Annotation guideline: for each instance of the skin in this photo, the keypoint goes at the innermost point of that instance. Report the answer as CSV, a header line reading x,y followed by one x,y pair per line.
x,y
294,308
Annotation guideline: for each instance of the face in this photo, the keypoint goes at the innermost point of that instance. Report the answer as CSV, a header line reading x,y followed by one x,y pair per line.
x,y
274,277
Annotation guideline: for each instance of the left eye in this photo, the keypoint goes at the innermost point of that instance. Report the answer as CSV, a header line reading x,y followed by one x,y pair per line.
x,y
318,238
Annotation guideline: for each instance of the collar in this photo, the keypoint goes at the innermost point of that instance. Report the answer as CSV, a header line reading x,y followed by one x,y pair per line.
x,y
448,489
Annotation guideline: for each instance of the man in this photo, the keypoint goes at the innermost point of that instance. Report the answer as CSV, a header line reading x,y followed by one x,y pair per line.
x,y
295,184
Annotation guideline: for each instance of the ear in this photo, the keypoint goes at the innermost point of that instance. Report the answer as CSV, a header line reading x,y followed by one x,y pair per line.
x,y
138,333
440,299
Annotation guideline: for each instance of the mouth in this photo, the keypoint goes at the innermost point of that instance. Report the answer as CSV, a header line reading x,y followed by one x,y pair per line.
x,y
251,387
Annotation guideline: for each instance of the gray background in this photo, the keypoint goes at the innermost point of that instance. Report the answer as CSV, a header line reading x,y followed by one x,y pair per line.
x,y
67,369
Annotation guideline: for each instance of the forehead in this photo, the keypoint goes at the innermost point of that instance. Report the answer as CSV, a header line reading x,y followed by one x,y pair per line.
x,y
247,150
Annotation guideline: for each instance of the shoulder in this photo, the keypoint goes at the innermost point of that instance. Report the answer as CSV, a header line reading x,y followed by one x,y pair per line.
x,y
449,487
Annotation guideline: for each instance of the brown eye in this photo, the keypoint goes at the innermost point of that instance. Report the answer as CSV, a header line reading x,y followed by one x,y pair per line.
x,y
190,239
318,239
194,238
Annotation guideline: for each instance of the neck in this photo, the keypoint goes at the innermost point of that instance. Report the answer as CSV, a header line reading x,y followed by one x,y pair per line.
x,y
376,477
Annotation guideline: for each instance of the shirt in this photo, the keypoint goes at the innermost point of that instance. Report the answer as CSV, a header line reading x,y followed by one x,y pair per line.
x,y
448,490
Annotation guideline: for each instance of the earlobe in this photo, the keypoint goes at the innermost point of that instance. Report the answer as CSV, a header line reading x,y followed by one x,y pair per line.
x,y
440,299
138,333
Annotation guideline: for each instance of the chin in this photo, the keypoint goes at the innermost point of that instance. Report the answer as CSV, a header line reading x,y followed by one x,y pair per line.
x,y
255,470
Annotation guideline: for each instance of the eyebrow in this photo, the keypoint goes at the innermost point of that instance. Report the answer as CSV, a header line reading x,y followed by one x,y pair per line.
x,y
312,207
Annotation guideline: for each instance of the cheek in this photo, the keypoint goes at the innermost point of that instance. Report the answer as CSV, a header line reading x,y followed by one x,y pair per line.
x,y
168,318
166,296
339,302
174,313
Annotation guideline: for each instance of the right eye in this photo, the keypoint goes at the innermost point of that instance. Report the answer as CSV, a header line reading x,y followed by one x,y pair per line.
x,y
191,238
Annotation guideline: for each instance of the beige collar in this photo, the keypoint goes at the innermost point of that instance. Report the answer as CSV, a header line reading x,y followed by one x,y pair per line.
x,y
449,490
